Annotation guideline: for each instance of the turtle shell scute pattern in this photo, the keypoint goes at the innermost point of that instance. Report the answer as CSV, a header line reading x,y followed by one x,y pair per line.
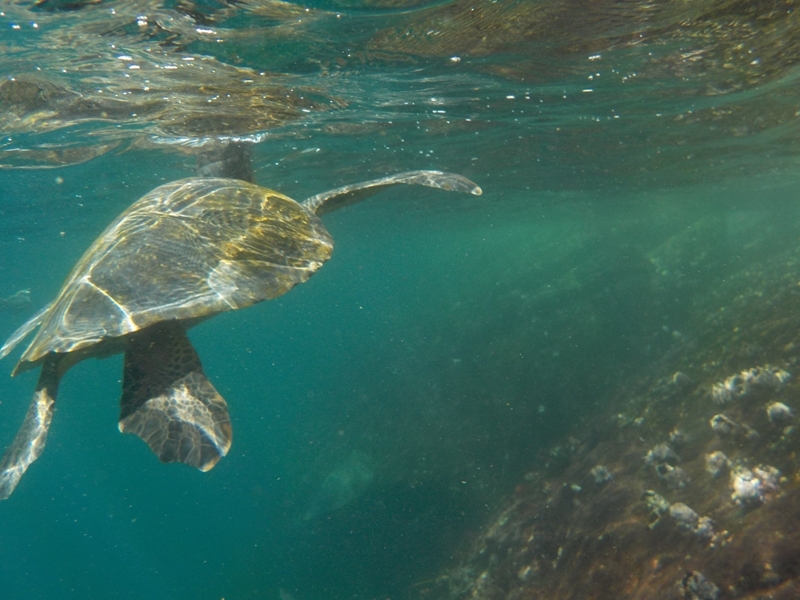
x,y
187,250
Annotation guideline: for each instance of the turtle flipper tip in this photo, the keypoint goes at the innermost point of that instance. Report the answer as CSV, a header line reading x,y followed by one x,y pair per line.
x,y
31,437
168,401
178,438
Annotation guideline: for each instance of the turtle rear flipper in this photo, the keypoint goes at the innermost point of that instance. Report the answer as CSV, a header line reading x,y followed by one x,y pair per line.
x,y
168,401
31,437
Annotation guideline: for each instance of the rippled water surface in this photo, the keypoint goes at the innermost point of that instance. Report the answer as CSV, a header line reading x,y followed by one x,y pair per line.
x,y
639,165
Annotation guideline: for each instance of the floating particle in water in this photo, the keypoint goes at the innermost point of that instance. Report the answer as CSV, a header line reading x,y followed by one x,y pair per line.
x,y
17,300
526,572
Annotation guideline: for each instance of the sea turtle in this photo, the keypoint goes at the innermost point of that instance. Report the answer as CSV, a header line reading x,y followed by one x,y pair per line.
x,y
179,255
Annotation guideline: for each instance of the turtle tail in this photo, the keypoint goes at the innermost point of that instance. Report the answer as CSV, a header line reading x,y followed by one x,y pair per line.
x,y
31,437
168,401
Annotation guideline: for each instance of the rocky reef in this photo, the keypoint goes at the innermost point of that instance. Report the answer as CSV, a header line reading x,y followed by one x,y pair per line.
x,y
684,486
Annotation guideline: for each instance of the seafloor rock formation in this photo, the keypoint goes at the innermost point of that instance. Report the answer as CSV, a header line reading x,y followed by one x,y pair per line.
x,y
716,519
614,541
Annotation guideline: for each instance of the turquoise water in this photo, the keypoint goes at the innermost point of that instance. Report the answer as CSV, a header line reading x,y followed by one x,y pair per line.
x,y
383,410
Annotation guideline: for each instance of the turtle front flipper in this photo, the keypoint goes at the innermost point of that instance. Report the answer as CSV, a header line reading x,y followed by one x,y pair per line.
x,y
331,200
31,437
168,401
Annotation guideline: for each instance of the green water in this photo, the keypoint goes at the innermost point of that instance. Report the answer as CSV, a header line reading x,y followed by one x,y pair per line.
x,y
450,339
